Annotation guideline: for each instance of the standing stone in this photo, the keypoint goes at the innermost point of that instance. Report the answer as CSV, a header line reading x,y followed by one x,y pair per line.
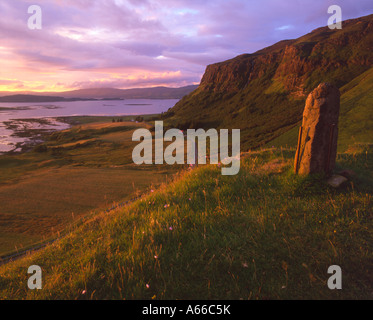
x,y
318,136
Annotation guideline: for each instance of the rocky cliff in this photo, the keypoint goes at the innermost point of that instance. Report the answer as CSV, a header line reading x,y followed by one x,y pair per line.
x,y
263,93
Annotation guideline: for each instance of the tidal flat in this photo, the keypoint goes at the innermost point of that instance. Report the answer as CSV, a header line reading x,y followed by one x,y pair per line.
x,y
20,135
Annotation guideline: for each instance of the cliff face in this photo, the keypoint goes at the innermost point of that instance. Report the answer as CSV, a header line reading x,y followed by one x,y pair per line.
x,y
235,74
237,93
294,61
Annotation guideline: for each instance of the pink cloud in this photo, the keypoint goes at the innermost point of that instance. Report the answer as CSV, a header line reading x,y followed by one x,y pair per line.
x,y
84,42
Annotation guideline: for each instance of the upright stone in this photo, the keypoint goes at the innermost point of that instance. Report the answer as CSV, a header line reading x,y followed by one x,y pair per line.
x,y
318,136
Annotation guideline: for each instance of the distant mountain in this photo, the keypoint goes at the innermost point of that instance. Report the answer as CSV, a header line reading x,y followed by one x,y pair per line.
x,y
138,93
112,93
264,93
35,98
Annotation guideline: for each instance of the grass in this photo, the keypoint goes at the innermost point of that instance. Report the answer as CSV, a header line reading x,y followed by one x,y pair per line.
x,y
355,120
356,111
75,172
48,200
262,234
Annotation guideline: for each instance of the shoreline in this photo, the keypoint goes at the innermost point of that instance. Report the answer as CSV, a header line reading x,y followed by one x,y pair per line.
x,y
33,131
34,136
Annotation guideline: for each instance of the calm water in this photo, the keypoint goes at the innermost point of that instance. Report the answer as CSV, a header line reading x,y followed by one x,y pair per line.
x,y
14,111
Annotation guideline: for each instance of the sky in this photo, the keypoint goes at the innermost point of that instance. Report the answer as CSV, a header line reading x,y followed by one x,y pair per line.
x,y
145,43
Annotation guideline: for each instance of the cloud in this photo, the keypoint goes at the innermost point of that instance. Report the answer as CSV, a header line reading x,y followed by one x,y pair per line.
x,y
284,27
173,79
11,83
147,42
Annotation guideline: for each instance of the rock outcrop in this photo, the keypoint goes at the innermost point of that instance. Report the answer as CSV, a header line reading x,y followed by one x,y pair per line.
x,y
293,62
317,146
337,181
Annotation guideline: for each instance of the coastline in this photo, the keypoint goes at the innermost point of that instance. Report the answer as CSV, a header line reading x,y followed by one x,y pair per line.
x,y
32,131
35,131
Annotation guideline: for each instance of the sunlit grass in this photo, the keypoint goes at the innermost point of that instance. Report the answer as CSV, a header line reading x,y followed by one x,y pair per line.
x,y
262,234
78,171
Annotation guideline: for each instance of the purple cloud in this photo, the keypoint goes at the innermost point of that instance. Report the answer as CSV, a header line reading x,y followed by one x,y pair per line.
x,y
127,43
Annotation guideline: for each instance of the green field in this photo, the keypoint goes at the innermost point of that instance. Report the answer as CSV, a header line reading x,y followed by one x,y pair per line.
x,y
262,234
74,173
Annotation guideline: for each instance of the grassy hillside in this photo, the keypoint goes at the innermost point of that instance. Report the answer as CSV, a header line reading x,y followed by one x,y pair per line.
x,y
356,119
356,116
264,93
262,234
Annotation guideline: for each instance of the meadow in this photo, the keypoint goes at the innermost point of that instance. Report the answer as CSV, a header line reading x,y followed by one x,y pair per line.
x,y
73,173
262,234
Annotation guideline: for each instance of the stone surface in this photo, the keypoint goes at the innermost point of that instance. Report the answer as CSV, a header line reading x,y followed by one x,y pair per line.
x,y
336,181
349,174
317,149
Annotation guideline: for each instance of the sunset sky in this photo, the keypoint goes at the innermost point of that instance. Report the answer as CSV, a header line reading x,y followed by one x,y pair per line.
x,y
144,43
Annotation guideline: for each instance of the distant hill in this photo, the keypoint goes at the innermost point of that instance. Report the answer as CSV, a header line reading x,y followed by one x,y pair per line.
x,y
264,93
139,93
106,93
35,98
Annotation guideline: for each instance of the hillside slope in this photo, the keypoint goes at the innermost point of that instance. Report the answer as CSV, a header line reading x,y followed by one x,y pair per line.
x,y
264,93
262,234
356,116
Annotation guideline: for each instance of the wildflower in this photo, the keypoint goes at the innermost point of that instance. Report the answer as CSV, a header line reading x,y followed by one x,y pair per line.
x,y
190,199
152,190
147,286
155,257
84,292
170,228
